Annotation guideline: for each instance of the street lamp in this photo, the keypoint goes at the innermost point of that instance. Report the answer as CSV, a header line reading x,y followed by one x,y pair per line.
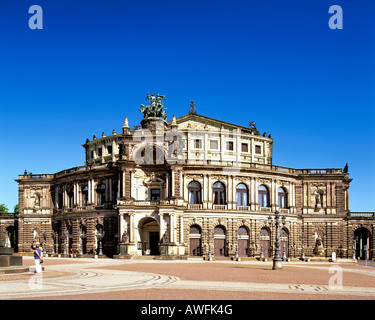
x,y
209,246
53,242
236,240
100,236
277,265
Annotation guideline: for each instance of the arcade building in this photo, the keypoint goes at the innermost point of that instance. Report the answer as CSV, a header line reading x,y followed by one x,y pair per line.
x,y
190,186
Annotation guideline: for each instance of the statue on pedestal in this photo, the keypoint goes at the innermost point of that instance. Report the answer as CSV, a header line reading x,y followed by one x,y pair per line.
x,y
319,248
155,109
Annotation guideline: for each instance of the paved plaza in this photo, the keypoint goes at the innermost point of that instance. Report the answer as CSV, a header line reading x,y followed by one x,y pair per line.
x,y
193,279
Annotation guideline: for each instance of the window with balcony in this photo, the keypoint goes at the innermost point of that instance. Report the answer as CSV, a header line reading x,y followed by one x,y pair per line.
x,y
219,193
263,196
242,195
155,194
194,189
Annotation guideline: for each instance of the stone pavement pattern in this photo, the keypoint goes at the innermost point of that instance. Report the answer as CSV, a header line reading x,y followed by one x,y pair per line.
x,y
193,279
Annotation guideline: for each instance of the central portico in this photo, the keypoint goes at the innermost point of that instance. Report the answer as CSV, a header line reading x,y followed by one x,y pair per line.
x,y
150,229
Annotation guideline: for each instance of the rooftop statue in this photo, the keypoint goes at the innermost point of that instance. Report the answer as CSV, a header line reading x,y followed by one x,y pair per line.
x,y
155,109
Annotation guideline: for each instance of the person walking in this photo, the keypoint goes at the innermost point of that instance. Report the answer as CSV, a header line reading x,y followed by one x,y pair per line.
x,y
37,259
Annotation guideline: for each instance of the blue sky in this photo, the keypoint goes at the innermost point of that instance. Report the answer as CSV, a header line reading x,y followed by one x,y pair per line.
x,y
274,62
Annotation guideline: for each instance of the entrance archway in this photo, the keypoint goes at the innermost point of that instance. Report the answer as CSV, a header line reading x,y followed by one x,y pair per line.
x,y
362,238
195,245
219,241
243,241
265,242
149,236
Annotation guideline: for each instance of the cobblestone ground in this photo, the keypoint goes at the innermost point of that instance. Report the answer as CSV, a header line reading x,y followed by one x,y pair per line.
x,y
108,279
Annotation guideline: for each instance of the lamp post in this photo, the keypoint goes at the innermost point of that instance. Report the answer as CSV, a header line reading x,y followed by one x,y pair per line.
x,y
53,242
236,240
209,246
277,265
100,236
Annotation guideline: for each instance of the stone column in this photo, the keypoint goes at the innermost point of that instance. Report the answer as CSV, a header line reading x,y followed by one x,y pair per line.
x,y
172,228
173,183
65,200
56,197
132,237
89,201
252,193
181,229
161,225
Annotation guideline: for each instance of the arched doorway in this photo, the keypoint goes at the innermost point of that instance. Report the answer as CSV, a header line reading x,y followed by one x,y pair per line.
x,y
265,242
243,242
284,238
219,241
362,238
149,237
11,237
195,240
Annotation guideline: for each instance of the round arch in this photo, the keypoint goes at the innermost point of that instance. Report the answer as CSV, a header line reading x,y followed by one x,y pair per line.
x,y
265,242
195,240
219,241
148,236
243,241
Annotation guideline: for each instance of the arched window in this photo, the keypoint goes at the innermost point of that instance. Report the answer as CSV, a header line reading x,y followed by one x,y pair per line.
x,y
282,196
194,192
219,193
101,194
243,231
219,230
263,196
219,241
114,191
242,195
70,194
85,196
61,198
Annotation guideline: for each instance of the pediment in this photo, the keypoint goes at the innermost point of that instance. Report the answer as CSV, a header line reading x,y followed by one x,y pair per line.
x,y
199,122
